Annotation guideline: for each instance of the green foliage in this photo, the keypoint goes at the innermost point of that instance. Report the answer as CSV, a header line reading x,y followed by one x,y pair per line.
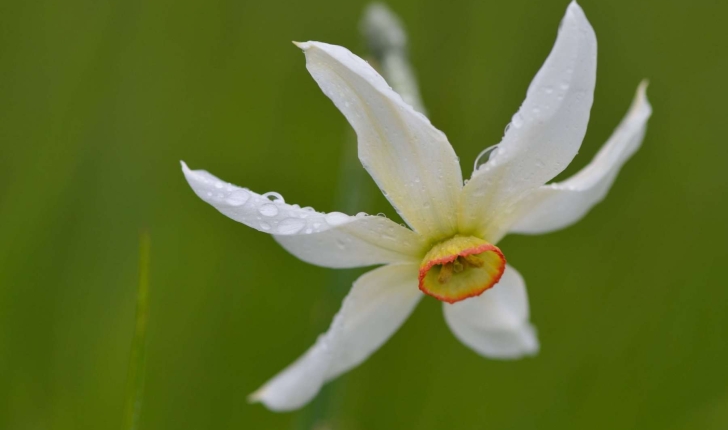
x,y
101,99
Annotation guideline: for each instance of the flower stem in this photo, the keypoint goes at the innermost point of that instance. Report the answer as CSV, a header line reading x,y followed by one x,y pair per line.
x,y
387,43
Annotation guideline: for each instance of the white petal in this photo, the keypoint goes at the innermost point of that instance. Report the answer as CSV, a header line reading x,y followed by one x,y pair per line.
x,y
332,240
410,160
556,206
545,134
377,305
495,324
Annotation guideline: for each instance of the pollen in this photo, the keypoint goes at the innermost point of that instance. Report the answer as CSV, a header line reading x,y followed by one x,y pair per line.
x,y
460,267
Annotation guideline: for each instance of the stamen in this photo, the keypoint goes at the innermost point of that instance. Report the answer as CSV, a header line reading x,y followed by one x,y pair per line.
x,y
457,266
445,273
473,260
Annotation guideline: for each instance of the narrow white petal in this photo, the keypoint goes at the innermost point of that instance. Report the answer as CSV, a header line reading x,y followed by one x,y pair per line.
x,y
495,324
377,305
545,134
410,160
332,240
556,206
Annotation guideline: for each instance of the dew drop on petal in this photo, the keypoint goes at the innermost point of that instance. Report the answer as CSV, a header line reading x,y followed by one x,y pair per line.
x,y
274,197
484,156
237,198
268,210
290,226
336,218
219,185
265,226
517,120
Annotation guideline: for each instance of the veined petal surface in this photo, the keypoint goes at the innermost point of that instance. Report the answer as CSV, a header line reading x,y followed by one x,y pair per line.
x,y
377,305
543,136
333,239
556,206
410,160
495,324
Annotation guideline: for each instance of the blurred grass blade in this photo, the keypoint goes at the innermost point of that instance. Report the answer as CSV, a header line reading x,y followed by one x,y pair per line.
x,y
137,359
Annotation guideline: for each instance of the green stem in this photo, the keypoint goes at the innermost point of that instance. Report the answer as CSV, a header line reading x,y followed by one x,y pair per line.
x,y
386,40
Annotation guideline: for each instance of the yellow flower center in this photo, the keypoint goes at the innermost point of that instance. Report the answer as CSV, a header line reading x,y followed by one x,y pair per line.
x,y
460,267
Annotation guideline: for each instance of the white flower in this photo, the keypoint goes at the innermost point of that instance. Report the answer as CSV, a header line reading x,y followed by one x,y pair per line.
x,y
450,251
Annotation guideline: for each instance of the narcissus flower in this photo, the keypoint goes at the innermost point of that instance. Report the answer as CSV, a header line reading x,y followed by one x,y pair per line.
x,y
449,252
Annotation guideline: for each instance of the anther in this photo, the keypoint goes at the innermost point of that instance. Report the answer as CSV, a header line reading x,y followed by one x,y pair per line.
x,y
473,260
445,273
457,266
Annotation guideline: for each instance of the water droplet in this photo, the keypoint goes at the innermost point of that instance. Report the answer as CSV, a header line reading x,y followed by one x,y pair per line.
x,y
361,214
309,209
316,225
548,90
564,86
290,226
340,243
274,197
238,198
484,156
265,226
268,210
309,230
336,218
209,194
517,120
219,185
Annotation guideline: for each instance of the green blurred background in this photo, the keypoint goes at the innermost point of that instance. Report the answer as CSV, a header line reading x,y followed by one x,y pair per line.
x,y
99,100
